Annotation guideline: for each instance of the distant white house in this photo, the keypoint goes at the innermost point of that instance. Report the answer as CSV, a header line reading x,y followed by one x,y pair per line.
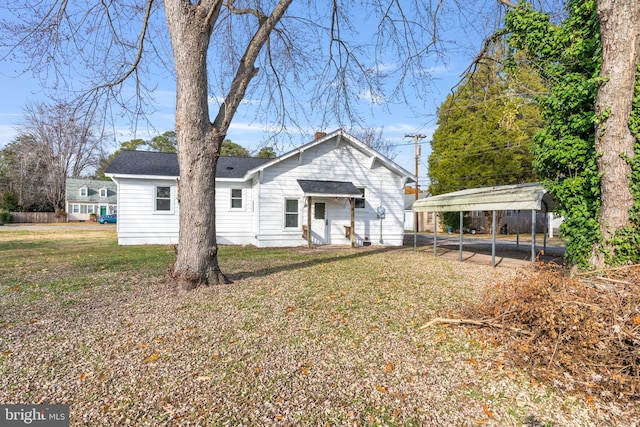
x,y
85,197
325,186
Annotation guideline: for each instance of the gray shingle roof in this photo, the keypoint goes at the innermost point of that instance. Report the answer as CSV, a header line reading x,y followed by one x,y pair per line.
x,y
329,188
166,164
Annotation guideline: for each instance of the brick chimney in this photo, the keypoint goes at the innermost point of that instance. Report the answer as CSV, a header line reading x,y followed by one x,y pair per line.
x,y
320,135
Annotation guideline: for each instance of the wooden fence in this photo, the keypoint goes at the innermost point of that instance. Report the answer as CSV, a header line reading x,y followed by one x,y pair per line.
x,y
36,217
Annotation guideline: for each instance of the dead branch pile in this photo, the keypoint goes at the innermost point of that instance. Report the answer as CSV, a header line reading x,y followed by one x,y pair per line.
x,y
585,330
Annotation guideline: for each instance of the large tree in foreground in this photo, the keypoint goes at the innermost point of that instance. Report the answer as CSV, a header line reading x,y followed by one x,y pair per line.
x,y
586,151
199,138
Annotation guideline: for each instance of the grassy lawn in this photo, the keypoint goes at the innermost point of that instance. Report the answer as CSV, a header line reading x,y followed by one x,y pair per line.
x,y
302,337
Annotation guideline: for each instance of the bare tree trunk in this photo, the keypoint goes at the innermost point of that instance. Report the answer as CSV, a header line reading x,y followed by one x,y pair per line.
x,y
620,37
199,140
198,147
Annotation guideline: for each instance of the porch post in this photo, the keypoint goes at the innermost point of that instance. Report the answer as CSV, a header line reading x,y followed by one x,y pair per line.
x,y
309,221
352,204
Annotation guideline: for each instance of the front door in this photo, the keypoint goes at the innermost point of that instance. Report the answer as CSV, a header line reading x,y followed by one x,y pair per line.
x,y
103,210
319,224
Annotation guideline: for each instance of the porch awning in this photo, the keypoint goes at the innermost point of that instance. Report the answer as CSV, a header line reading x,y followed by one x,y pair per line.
x,y
314,188
531,196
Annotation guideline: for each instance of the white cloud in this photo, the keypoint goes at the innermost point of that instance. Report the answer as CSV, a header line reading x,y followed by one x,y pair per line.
x,y
372,98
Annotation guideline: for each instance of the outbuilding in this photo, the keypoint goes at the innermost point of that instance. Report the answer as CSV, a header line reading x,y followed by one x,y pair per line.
x,y
532,197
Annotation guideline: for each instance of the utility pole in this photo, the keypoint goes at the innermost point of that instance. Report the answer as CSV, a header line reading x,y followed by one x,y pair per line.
x,y
416,137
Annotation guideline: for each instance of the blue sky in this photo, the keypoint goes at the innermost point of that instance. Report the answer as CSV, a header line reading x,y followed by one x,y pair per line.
x,y
396,121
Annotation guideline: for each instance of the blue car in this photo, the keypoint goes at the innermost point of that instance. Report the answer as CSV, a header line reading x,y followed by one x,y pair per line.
x,y
108,219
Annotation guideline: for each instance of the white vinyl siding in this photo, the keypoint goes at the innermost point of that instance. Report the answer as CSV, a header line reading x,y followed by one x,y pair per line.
x,y
328,162
234,225
137,224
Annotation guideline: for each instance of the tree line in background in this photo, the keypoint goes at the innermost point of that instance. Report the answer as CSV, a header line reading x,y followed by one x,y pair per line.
x,y
486,126
55,141
168,143
59,141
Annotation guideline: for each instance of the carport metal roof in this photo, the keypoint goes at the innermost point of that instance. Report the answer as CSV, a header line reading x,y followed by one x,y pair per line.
x,y
517,197
532,196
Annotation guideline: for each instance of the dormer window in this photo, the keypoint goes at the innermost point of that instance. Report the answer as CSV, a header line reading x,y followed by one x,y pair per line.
x,y
103,192
84,191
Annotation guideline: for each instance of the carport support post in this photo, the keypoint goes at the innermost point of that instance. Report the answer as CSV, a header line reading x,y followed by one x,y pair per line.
x,y
533,236
493,242
460,250
309,221
545,230
435,232
518,230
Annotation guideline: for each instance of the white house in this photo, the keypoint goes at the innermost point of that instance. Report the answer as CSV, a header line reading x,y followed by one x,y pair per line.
x,y
330,186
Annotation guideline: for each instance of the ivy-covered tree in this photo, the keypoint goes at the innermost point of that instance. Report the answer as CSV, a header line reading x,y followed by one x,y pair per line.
x,y
576,158
485,129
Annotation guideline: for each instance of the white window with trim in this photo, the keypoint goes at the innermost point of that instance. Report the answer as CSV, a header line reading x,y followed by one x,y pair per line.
x,y
103,192
291,214
360,202
75,209
236,198
83,191
163,202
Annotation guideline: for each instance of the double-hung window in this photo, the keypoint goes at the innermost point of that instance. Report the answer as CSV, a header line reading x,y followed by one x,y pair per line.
x,y
236,198
291,213
163,199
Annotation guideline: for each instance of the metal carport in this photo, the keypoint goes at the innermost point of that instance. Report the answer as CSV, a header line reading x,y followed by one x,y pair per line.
x,y
517,197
